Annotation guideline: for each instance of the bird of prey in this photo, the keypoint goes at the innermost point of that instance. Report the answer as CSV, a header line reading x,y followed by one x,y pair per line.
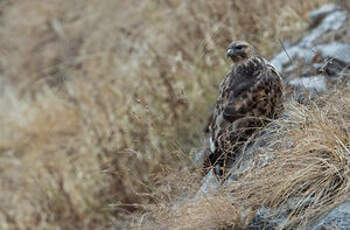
x,y
249,97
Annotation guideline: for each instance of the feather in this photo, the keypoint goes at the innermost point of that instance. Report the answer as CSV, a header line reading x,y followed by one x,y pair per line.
x,y
250,93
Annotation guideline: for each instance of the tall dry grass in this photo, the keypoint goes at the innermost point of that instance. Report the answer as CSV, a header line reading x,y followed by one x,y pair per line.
x,y
309,173
104,101
298,176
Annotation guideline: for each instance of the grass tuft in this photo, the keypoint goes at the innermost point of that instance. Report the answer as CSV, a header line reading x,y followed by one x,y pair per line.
x,y
105,101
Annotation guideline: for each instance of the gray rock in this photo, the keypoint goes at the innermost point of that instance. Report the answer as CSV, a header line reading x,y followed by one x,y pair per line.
x,y
267,218
335,50
305,49
321,12
332,22
275,218
335,70
200,156
209,183
291,68
255,146
285,57
338,218
336,61
316,83
317,65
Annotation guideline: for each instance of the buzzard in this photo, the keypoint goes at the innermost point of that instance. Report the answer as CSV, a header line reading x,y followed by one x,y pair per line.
x,y
249,97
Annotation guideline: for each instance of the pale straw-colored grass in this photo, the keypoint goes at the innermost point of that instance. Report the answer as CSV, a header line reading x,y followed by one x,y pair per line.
x,y
104,98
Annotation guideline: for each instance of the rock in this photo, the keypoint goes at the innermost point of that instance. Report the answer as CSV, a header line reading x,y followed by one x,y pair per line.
x,y
339,53
255,147
266,218
335,70
335,61
335,50
209,183
306,89
317,66
291,68
316,83
299,61
338,218
333,21
275,218
321,12
200,156
285,57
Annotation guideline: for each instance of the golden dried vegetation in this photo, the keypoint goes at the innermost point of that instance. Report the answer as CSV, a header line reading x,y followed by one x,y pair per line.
x,y
104,101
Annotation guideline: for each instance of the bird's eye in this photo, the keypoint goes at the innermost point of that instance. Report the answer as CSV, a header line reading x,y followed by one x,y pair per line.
x,y
239,47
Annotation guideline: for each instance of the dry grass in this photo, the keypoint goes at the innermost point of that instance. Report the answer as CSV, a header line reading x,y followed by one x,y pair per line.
x,y
306,173
105,99
311,166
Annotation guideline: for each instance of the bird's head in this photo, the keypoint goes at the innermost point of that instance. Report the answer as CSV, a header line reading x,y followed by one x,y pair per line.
x,y
239,51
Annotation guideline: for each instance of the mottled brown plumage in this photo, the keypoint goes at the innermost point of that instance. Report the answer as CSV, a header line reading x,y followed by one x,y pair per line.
x,y
249,96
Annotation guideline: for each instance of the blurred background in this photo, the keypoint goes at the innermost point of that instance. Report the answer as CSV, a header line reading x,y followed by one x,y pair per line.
x,y
103,103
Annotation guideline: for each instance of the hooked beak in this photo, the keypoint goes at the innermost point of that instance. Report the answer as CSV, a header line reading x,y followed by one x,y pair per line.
x,y
230,53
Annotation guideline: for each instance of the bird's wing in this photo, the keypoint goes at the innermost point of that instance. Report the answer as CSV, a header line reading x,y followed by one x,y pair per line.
x,y
260,99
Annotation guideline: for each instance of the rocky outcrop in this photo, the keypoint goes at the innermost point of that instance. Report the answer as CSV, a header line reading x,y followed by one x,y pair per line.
x,y
338,218
302,64
308,66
